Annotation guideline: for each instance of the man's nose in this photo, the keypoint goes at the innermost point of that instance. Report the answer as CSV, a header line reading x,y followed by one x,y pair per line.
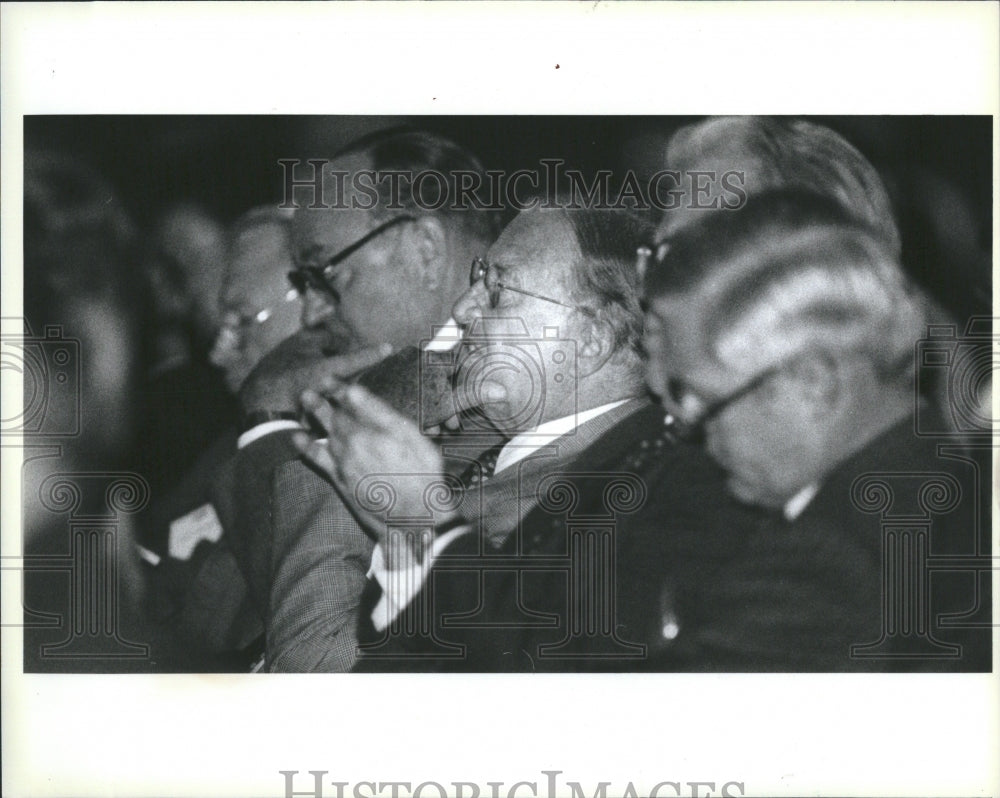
x,y
656,380
315,308
468,306
225,346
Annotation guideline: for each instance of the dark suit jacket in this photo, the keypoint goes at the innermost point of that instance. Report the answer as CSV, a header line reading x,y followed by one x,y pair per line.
x,y
692,581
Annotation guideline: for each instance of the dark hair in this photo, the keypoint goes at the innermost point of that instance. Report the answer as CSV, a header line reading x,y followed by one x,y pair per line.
x,y
606,276
415,151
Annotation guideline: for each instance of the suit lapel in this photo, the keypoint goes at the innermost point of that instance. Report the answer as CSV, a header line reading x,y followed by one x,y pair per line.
x,y
502,502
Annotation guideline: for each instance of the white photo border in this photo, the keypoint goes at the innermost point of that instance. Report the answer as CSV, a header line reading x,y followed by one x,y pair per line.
x,y
231,735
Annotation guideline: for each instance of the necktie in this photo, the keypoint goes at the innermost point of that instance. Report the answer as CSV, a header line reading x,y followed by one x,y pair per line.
x,y
482,468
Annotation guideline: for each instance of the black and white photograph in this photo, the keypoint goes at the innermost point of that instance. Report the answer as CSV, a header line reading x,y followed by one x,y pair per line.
x,y
507,394
490,399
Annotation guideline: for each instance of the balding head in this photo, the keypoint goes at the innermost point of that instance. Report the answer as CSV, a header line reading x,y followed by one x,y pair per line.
x,y
383,259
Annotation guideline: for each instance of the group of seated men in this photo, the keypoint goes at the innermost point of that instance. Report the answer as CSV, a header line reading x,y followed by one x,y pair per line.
x,y
586,442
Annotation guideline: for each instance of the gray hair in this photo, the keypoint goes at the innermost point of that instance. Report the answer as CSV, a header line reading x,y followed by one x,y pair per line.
x,y
793,272
794,154
606,274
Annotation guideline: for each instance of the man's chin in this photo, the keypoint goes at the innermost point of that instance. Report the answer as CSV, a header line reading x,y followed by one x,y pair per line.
x,y
234,380
748,493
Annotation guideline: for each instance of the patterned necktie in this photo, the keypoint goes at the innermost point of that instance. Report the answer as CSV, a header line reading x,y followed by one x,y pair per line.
x,y
482,468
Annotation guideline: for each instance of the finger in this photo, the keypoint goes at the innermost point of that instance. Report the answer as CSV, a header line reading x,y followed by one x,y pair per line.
x,y
332,387
316,453
319,408
368,409
453,423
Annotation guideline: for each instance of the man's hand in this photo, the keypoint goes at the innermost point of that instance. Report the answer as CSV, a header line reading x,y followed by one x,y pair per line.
x,y
300,361
382,465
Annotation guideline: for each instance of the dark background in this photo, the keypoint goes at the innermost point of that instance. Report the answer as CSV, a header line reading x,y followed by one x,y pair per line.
x,y
105,272
228,164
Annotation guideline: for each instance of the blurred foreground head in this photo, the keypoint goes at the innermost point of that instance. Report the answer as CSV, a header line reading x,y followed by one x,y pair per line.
x,y
80,275
784,333
767,153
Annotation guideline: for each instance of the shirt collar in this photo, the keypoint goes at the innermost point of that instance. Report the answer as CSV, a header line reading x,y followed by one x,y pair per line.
x,y
526,443
796,505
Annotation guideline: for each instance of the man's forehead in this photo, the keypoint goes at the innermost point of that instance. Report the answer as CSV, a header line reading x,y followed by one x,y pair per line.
x,y
260,252
327,228
535,240
334,224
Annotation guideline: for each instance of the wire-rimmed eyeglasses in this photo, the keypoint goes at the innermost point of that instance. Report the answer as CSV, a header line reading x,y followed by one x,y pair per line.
x,y
487,272
234,326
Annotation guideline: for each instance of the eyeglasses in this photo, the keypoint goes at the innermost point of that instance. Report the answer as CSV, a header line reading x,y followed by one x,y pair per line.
x,y
648,254
320,278
234,326
693,430
487,272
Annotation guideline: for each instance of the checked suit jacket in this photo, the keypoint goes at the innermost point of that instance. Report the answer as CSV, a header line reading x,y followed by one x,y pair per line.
x,y
271,504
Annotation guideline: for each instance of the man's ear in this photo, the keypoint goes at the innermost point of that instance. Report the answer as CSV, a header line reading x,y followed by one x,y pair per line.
x,y
596,344
821,381
431,240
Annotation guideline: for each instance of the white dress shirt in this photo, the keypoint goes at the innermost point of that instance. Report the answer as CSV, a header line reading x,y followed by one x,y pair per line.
x,y
400,587
796,505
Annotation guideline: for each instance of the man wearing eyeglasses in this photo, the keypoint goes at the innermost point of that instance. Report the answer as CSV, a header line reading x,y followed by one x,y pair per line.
x,y
551,340
199,589
259,308
782,336
375,273
376,277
